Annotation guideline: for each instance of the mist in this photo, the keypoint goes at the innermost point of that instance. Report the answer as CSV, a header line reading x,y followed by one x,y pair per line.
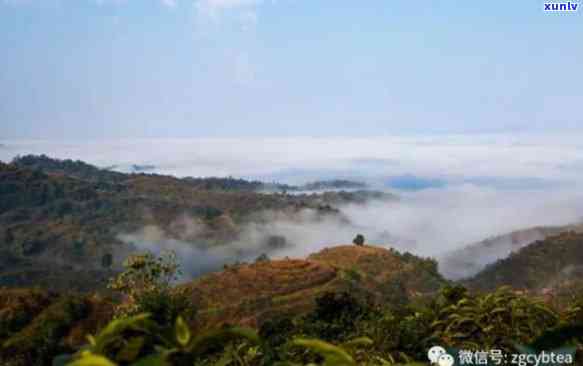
x,y
472,187
431,223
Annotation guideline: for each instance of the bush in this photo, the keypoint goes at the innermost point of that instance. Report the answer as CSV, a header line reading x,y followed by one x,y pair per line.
x,y
146,286
166,305
335,316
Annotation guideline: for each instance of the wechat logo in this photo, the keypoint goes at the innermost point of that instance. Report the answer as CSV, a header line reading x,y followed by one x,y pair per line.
x,y
438,356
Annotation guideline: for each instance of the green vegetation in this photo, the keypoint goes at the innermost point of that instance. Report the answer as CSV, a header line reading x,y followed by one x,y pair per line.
x,y
341,330
154,323
542,266
146,287
87,172
346,305
75,212
246,293
77,169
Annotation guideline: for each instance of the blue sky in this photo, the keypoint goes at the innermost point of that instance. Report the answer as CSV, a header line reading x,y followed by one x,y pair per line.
x,y
80,69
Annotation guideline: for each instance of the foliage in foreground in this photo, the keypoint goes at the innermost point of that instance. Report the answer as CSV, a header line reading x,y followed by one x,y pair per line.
x,y
153,326
370,335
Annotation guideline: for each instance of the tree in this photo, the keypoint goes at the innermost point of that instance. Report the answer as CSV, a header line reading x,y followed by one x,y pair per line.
x,y
262,258
358,240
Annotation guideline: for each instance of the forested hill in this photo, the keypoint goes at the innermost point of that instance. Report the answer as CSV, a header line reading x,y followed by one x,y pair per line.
x,y
543,265
62,218
68,167
82,170
469,260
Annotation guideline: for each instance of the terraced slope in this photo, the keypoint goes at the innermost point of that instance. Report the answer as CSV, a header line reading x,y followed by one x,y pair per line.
x,y
249,293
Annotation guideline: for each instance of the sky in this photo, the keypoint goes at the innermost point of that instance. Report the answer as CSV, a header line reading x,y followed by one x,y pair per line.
x,y
113,69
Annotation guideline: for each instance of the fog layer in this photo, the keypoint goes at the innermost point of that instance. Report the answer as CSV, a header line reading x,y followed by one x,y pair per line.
x,y
473,187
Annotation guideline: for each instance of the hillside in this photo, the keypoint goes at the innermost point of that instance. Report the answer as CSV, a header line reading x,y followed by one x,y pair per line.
x,y
541,266
246,294
396,305
67,223
471,259
250,293
63,222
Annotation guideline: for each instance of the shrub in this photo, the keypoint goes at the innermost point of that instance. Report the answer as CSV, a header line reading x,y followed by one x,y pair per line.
x,y
137,340
146,286
335,316
493,320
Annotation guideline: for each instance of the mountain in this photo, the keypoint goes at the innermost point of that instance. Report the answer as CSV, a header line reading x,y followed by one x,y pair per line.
x,y
246,294
409,182
334,184
544,265
64,224
471,259
72,168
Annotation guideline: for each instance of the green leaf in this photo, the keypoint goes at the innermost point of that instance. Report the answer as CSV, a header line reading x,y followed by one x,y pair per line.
x,y
220,336
182,332
114,328
358,342
91,340
90,359
499,310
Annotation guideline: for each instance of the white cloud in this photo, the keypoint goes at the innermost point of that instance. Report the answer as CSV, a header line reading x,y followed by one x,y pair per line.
x,y
429,222
556,158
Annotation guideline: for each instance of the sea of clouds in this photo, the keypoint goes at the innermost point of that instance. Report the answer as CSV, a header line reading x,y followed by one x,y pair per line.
x,y
454,189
